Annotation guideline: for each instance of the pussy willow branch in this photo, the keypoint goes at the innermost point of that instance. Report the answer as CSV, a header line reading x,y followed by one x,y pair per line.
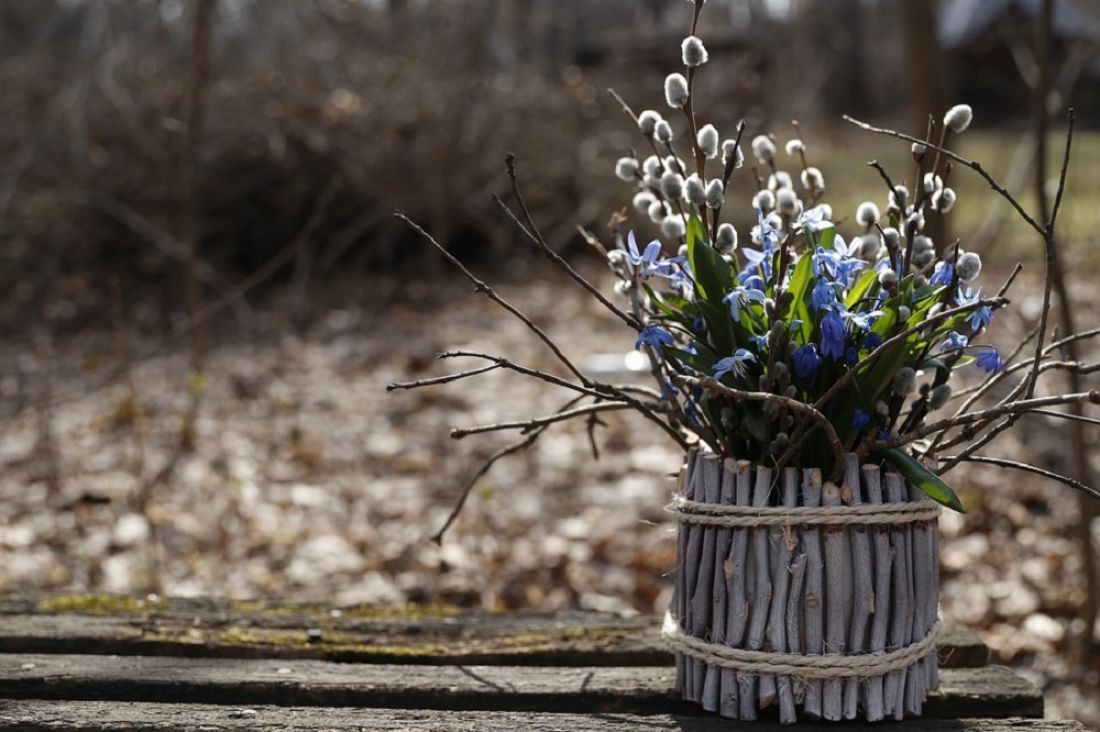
x,y
1026,468
525,370
794,405
526,425
489,292
503,452
531,231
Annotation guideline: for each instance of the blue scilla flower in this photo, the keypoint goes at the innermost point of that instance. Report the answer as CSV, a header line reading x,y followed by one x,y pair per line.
x,y
769,236
751,279
860,419
861,322
955,342
823,296
979,317
739,297
851,356
649,262
757,262
832,335
760,342
989,359
698,326
654,336
943,275
872,340
806,362
737,363
816,218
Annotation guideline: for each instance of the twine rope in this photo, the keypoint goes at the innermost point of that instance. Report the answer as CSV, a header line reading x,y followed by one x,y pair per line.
x,y
871,514
860,666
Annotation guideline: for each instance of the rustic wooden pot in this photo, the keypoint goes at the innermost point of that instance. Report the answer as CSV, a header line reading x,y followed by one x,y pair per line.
x,y
802,587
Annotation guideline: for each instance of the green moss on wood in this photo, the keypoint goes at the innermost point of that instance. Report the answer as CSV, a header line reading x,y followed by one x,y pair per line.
x,y
99,604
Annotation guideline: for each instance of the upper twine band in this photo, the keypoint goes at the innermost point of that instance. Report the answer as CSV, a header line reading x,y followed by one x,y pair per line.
x,y
861,666
714,514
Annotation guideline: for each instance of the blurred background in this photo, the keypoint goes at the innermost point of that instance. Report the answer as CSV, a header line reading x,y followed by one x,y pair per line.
x,y
203,292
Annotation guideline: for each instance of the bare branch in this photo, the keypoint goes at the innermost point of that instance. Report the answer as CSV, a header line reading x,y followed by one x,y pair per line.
x,y
441,379
1001,462
526,425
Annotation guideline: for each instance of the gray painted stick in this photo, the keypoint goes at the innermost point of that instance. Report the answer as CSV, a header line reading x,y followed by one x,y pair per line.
x,y
884,558
679,596
934,609
701,603
863,596
838,577
691,572
917,682
712,682
761,592
784,538
894,688
737,610
815,589
794,621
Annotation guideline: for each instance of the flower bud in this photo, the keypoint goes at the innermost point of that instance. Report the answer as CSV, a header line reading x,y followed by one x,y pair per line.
x,y
694,52
958,118
882,409
673,227
663,131
938,396
780,179
672,185
918,149
695,190
732,151
675,164
626,169
920,281
899,198
867,214
794,147
922,244
905,381
643,200
869,247
932,182
676,90
813,180
616,260
708,141
652,166
923,258
943,200
763,148
888,277
903,313
786,202
891,237
682,251
647,122
715,194
726,241
657,211
968,267
623,288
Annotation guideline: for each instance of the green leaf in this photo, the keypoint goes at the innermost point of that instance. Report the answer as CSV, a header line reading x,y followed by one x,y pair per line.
x,y
713,275
860,288
930,484
704,363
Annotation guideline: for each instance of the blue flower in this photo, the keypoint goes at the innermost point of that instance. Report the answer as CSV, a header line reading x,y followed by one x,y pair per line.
x,y
654,336
698,326
823,296
739,297
760,341
769,237
979,317
806,362
860,419
989,359
943,275
815,219
735,363
649,262
851,356
872,340
832,335
955,342
758,262
861,321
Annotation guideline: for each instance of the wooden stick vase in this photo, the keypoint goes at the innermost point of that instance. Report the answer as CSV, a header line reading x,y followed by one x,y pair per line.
x,y
798,594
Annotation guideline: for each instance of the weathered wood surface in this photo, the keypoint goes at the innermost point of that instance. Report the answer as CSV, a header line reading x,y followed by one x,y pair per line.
x,y
992,691
403,634
35,716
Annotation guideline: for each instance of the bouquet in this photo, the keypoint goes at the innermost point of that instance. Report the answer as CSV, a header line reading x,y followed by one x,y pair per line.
x,y
813,335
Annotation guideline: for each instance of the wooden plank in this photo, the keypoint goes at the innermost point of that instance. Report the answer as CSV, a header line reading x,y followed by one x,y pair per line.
x,y
423,634
36,716
991,691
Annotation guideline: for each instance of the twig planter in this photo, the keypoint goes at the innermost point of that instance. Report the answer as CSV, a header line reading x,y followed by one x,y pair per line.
x,y
791,592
